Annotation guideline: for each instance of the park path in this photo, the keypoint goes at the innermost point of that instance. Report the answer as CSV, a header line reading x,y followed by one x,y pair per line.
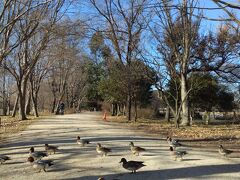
x,y
75,162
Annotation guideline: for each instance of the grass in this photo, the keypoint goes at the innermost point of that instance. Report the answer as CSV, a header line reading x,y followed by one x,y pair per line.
x,y
11,125
198,133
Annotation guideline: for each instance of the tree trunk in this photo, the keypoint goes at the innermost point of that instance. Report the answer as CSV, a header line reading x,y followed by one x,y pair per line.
x,y
112,109
53,105
135,111
4,94
22,88
167,114
15,106
35,102
184,101
79,105
177,119
57,110
115,109
8,107
118,109
129,107
28,104
206,117
22,115
124,109
35,106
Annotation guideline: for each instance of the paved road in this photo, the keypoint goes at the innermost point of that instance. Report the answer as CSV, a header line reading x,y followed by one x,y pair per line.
x,y
75,162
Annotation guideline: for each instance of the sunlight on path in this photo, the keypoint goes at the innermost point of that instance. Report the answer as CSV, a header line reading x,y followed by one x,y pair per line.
x,y
76,162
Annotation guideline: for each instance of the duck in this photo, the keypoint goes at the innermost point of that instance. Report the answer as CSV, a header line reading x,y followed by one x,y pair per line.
x,y
132,166
177,153
40,164
101,178
51,149
223,151
4,158
82,142
102,150
173,142
136,149
37,155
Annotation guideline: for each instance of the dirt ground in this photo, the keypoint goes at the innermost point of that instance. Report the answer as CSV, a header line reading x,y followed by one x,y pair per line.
x,y
76,162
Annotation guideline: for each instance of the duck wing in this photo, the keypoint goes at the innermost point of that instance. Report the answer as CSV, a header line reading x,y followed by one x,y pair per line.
x,y
133,165
4,157
106,149
140,149
51,147
135,162
228,151
84,141
43,154
48,162
180,153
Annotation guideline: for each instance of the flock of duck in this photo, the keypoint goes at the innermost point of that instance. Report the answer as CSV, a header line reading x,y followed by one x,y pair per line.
x,y
36,158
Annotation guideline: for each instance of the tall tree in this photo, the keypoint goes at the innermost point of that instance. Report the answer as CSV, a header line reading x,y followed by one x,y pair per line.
x,y
184,51
63,50
124,22
175,46
35,27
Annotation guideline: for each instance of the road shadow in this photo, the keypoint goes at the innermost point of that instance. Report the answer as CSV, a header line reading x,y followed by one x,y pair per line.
x,y
175,173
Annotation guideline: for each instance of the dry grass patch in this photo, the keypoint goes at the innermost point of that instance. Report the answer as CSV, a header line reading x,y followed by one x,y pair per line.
x,y
200,134
11,125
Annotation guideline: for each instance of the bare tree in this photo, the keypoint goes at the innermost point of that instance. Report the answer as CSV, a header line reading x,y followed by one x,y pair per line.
x,y
64,54
36,77
124,24
227,6
11,12
180,31
35,27
184,51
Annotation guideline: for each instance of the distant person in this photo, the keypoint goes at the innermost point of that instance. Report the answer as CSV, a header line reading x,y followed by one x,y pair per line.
x,y
61,108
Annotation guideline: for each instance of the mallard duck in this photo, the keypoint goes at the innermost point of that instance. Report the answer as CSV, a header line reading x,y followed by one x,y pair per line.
x,y
223,151
82,142
4,158
102,150
173,142
101,178
51,149
132,166
177,153
40,164
136,149
37,155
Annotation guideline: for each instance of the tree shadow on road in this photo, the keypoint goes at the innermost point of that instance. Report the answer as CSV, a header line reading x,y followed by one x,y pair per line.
x,y
178,173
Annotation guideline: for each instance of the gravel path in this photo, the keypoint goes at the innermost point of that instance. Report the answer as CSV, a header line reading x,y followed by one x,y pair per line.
x,y
76,162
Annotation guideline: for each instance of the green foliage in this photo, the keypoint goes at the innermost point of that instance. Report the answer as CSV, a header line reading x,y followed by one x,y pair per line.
x,y
96,43
208,93
205,91
114,88
97,68
225,100
144,92
95,74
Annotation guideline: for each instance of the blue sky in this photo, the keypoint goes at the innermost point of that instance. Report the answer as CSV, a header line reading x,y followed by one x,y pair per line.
x,y
84,11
